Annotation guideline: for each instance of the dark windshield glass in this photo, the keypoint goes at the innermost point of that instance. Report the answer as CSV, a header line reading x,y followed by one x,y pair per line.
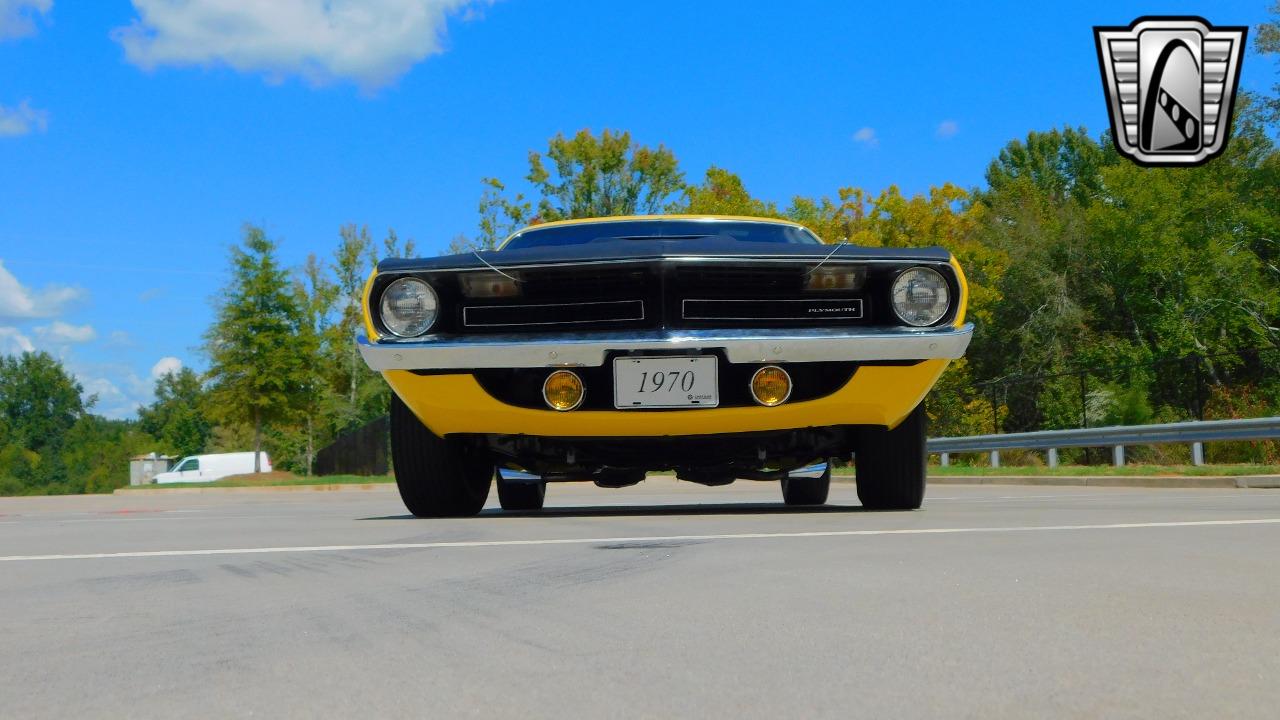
x,y
661,230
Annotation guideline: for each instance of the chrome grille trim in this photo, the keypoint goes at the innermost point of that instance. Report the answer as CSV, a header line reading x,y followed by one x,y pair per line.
x,y
852,311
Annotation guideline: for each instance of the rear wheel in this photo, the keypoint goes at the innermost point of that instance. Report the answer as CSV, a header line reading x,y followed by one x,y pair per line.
x,y
437,477
807,491
521,495
891,464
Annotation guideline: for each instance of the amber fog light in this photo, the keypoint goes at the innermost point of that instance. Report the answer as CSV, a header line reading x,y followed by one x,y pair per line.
x,y
771,385
563,390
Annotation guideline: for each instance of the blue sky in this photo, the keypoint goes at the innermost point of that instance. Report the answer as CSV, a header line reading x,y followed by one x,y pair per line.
x,y
137,137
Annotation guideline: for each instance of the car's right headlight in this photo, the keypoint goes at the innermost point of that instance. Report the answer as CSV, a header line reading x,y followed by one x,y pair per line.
x,y
921,296
409,307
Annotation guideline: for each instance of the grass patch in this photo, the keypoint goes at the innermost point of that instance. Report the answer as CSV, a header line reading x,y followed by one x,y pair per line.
x,y
1107,470
272,479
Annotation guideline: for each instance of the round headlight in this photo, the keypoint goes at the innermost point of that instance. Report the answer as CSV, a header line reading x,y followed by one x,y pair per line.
x,y
921,296
409,307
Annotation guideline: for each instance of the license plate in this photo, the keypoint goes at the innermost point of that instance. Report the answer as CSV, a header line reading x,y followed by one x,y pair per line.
x,y
665,382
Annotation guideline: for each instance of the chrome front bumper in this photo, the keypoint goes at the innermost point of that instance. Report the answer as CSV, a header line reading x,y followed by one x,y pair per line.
x,y
590,349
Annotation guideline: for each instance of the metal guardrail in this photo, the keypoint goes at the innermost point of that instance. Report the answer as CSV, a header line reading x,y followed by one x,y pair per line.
x,y
1115,437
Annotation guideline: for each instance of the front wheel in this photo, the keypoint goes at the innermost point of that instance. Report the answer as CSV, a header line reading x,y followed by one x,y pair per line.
x,y
437,477
890,464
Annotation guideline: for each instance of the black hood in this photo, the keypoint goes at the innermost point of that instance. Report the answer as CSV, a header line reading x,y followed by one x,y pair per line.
x,y
659,249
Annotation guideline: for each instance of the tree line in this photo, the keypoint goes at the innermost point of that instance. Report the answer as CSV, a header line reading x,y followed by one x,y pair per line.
x,y
283,376
1092,280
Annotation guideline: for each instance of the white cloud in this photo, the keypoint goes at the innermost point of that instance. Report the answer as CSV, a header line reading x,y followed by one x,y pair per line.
x,y
61,333
370,42
109,400
18,17
948,129
22,120
120,392
101,386
19,301
13,342
867,136
164,366
150,294
142,390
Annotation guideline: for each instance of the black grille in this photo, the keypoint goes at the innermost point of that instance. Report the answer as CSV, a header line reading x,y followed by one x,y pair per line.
x,y
739,281
651,295
517,316
585,283
678,293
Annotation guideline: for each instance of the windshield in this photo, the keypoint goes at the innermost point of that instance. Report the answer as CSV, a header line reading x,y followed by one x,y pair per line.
x,y
741,230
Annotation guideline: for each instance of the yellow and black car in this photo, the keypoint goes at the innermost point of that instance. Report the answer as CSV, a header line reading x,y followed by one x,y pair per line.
x,y
720,348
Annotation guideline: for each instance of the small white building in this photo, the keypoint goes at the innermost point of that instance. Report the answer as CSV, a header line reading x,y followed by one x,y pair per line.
x,y
144,468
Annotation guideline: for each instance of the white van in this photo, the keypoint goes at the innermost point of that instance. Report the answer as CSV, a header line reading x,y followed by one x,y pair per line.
x,y
207,468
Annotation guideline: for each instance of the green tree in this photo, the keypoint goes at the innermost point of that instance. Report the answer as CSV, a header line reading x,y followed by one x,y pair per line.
x,y
230,437
19,469
351,265
499,217
394,248
318,402
1112,265
360,393
256,372
723,193
582,176
1059,164
1267,42
39,400
97,452
592,176
50,443
177,418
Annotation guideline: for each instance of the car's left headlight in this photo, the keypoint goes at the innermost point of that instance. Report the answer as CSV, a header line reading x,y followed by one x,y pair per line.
x,y
409,307
921,296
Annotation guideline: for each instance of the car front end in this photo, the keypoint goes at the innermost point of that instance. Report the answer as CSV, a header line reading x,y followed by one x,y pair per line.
x,y
719,348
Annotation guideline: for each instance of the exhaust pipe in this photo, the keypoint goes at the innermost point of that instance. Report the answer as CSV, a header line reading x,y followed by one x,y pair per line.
x,y
814,471
517,476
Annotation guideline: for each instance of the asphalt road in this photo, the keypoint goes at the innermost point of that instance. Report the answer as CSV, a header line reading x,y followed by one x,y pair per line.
x,y
662,600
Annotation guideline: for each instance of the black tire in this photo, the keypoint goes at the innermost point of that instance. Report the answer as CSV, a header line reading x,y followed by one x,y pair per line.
x,y
521,495
437,477
807,491
890,464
